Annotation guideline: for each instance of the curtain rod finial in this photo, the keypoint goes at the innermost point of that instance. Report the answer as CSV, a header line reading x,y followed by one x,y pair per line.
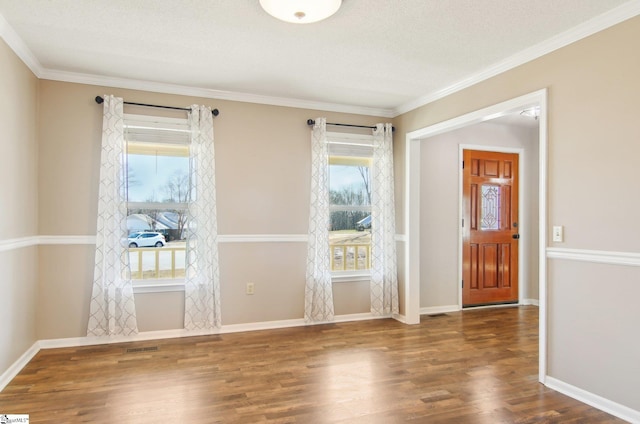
x,y
215,112
311,122
99,100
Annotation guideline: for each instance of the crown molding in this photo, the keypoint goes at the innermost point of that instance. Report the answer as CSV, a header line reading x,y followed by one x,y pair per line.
x,y
13,40
594,25
19,47
208,93
606,20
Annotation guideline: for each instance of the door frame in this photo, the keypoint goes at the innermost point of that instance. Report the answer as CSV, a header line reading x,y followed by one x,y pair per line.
x,y
522,223
412,206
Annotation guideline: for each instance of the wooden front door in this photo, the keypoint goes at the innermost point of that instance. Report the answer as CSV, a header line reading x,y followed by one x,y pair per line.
x,y
490,228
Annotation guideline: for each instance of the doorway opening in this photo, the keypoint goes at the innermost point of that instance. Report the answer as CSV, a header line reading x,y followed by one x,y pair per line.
x,y
415,205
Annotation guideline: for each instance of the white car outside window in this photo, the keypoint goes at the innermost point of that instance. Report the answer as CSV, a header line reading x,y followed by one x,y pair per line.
x,y
146,239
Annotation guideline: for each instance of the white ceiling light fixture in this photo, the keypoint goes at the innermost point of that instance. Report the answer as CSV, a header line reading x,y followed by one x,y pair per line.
x,y
301,11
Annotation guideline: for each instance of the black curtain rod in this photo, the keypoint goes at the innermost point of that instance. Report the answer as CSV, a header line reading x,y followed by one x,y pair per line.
x,y
100,100
311,122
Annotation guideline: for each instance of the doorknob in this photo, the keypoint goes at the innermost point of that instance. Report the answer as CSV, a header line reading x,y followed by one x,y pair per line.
x,y
516,236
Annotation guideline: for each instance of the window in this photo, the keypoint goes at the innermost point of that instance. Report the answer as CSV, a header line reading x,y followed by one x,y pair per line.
x,y
158,191
350,204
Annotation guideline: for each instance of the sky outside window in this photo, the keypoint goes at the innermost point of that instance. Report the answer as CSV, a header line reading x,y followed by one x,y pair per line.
x,y
345,177
150,174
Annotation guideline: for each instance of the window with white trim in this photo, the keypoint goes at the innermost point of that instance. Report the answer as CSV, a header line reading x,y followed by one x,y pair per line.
x,y
158,191
350,159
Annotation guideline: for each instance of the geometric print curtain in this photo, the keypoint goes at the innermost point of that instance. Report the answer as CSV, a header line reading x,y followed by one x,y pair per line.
x,y
112,310
202,279
318,305
384,268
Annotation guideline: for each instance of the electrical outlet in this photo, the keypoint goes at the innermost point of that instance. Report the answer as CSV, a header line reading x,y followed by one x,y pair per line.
x,y
558,233
251,289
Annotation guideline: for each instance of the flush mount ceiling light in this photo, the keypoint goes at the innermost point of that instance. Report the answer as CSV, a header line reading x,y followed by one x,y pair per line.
x,y
301,11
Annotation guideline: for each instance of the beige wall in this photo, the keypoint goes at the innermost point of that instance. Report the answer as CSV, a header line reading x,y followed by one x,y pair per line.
x,y
593,91
262,172
439,206
19,206
52,161
18,123
593,343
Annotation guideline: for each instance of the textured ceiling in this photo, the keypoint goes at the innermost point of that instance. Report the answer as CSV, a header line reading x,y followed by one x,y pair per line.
x,y
372,53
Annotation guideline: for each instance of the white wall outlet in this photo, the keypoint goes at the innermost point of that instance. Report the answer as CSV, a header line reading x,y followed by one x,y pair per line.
x,y
251,289
558,233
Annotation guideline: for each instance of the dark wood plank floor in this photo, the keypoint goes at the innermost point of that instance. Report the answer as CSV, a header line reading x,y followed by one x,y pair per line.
x,y
477,366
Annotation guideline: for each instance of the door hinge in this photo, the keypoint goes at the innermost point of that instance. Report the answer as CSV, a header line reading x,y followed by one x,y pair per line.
x,y
462,283
462,164
463,222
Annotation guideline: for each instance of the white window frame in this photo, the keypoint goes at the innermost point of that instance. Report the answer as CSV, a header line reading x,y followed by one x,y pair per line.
x,y
156,130
358,145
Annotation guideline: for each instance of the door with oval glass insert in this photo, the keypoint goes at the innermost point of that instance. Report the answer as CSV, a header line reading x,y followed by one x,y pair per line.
x,y
490,228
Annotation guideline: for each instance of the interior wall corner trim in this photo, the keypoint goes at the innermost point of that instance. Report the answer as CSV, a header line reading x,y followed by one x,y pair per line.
x,y
594,256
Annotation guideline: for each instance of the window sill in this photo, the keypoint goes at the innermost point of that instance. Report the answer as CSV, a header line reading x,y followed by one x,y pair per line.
x,y
158,286
347,277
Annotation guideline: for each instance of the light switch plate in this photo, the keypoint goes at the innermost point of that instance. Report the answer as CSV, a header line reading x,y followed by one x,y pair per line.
x,y
558,233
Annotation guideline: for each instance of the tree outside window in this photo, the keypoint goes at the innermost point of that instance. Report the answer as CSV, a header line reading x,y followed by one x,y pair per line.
x,y
350,198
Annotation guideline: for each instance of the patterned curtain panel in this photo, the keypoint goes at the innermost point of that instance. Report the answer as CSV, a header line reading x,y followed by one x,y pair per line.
x,y
384,268
202,280
112,310
318,305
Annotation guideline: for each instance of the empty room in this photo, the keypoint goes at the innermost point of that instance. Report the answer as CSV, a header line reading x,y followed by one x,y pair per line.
x,y
319,211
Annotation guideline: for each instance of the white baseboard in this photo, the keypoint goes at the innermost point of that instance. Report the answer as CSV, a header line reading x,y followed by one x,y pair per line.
x,y
140,337
430,310
271,325
613,408
606,405
16,367
178,333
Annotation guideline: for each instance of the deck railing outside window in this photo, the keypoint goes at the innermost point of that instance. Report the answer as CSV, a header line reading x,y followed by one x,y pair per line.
x,y
350,257
157,262
150,263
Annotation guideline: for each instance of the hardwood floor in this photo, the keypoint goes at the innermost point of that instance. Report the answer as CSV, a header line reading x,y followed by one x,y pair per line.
x,y
477,366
